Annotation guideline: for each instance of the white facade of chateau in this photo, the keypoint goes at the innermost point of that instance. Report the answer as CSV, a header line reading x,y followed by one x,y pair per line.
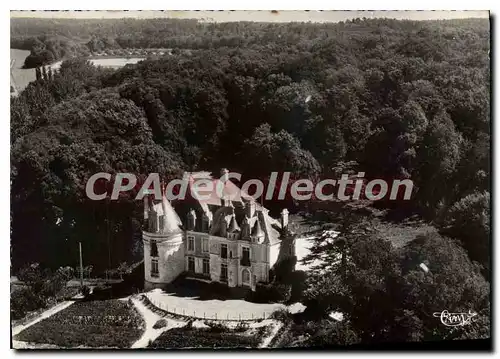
x,y
234,242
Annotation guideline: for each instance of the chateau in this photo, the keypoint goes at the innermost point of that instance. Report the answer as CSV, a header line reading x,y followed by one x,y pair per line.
x,y
234,242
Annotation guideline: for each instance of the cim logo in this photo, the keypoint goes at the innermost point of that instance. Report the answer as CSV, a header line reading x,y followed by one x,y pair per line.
x,y
455,319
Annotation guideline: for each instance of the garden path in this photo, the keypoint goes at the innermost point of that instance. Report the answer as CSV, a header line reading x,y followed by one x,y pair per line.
x,y
150,318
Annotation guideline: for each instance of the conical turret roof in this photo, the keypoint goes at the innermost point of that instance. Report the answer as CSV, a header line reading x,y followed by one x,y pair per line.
x,y
257,229
171,220
233,225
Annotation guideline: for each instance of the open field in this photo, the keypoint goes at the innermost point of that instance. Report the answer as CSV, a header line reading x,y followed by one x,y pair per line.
x,y
22,77
96,324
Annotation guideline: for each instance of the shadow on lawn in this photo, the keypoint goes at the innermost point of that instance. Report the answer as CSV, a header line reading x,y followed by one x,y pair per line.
x,y
132,283
184,287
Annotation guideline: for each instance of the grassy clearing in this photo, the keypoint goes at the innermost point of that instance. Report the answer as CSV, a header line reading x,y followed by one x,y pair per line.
x,y
22,77
96,324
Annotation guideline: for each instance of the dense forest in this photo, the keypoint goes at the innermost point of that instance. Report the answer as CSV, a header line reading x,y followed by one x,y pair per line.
x,y
393,99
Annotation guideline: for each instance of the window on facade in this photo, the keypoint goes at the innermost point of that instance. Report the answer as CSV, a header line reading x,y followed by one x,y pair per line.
x,y
204,245
154,249
223,250
152,222
223,272
190,264
246,253
245,276
154,268
245,258
206,266
190,243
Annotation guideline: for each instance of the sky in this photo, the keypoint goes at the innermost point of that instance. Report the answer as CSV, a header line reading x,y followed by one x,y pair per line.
x,y
254,15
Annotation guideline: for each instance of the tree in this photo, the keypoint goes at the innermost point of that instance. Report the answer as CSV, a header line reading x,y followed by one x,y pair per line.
x,y
468,220
386,296
439,154
280,152
75,143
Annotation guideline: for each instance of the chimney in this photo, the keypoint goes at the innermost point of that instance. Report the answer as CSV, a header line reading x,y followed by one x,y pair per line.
x,y
153,219
250,208
224,177
163,218
223,228
224,174
146,207
191,220
245,228
284,218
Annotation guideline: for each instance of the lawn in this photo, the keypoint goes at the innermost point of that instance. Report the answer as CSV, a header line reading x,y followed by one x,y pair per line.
x,y
194,304
96,324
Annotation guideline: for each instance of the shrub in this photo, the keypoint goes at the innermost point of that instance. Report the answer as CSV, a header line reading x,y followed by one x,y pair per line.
x,y
282,315
85,290
273,292
218,289
333,334
41,287
241,327
284,292
216,327
53,285
161,323
284,268
23,301
298,281
204,338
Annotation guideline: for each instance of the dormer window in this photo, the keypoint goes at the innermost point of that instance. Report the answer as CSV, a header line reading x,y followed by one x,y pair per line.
x,y
204,224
